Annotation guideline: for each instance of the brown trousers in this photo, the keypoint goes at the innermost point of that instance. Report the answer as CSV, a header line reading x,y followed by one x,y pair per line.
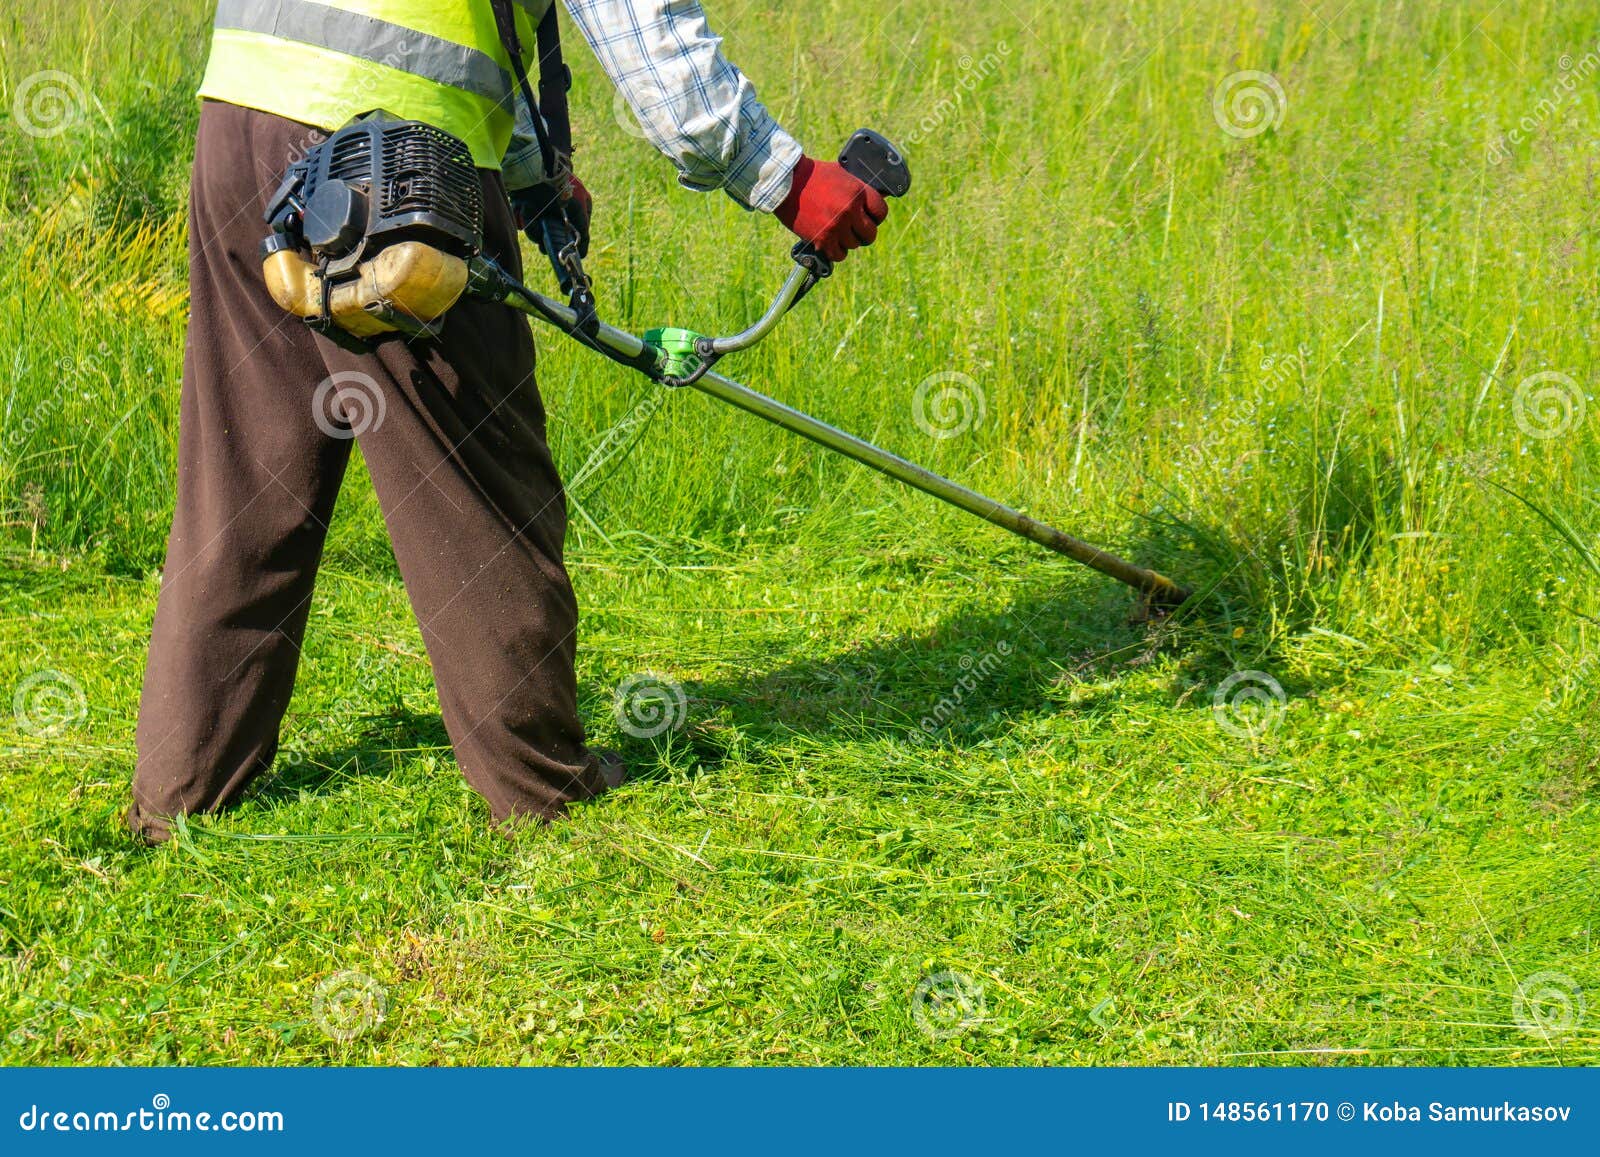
x,y
453,434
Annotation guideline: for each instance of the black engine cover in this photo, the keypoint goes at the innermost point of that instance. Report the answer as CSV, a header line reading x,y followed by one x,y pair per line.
x,y
377,181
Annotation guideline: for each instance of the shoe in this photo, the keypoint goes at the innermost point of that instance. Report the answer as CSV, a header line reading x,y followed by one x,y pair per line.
x,y
612,770
148,830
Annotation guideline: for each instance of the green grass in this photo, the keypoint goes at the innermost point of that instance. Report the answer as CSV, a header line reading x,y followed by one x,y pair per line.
x,y
1284,368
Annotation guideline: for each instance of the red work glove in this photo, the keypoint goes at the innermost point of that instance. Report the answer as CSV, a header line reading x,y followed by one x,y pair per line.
x,y
529,205
580,211
831,209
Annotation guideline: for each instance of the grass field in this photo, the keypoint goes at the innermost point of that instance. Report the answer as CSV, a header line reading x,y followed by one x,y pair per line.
x,y
1319,339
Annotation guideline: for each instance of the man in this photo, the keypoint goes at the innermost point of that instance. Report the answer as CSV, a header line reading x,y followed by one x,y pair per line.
x,y
452,429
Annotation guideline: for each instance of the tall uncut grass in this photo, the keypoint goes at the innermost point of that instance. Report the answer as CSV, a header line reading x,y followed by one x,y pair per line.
x,y
1286,363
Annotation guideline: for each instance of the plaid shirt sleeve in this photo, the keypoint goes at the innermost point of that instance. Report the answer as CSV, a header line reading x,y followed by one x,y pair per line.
x,y
691,101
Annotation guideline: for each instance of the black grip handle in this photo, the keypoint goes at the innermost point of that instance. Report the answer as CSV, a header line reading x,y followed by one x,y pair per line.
x,y
555,234
868,156
871,158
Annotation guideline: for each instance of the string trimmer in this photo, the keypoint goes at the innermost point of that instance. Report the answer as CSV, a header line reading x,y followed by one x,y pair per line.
x,y
379,230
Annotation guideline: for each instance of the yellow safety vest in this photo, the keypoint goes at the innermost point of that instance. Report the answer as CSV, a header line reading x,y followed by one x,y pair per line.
x,y
322,63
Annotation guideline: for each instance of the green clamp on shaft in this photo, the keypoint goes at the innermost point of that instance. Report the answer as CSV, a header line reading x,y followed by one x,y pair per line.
x,y
677,347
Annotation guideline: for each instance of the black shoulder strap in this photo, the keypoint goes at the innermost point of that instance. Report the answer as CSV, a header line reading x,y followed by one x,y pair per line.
x,y
551,122
555,78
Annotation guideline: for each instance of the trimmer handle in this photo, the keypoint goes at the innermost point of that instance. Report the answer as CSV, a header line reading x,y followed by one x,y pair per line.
x,y
871,158
557,236
561,244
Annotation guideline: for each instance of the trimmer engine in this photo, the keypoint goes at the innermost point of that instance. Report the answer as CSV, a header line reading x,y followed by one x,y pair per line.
x,y
373,228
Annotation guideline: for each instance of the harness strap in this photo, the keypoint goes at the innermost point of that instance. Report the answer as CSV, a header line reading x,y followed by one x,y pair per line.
x,y
555,79
552,123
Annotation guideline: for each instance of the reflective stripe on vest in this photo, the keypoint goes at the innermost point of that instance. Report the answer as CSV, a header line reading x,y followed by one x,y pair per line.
x,y
367,37
324,63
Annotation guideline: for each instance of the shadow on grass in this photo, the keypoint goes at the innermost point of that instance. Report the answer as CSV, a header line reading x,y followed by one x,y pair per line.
x,y
971,673
965,680
384,741
1069,641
